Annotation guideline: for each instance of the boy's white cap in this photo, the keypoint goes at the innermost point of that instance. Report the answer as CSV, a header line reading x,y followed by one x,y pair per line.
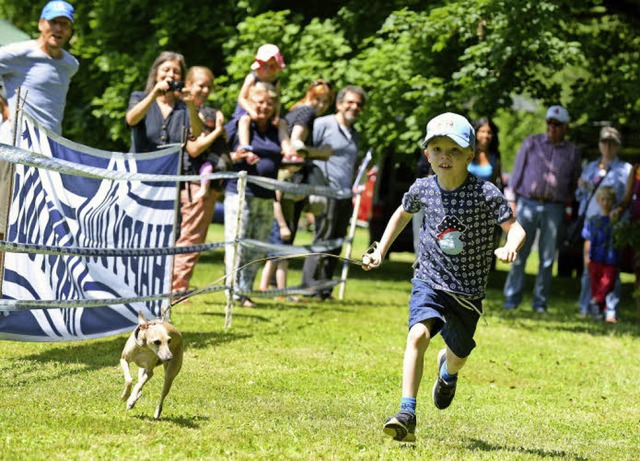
x,y
558,113
453,126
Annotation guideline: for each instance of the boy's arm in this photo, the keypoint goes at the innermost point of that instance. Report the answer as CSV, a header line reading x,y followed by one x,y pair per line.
x,y
515,239
396,224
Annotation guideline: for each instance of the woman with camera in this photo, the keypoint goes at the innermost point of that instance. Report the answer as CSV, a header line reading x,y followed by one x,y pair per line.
x,y
164,113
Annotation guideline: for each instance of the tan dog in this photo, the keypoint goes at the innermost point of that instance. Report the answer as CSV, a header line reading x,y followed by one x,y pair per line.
x,y
151,344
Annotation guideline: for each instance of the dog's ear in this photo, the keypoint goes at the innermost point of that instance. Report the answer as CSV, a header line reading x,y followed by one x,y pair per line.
x,y
142,320
140,338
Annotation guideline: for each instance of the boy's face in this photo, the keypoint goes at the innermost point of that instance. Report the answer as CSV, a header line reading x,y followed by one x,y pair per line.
x,y
606,203
448,160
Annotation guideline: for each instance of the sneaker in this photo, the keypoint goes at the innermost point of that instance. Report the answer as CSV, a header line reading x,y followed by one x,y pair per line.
x,y
443,392
401,427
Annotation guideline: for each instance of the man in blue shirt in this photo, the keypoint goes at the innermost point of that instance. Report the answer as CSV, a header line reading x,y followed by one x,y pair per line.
x,y
41,67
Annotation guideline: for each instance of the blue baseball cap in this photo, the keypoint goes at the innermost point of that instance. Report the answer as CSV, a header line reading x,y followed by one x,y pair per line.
x,y
453,126
57,9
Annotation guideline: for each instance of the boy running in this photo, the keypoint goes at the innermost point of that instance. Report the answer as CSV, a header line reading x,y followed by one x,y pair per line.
x,y
453,262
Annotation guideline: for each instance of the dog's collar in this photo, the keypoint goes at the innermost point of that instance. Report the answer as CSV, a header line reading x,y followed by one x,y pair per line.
x,y
139,342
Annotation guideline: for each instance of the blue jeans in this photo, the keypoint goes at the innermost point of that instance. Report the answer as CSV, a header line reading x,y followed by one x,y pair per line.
x,y
612,299
546,218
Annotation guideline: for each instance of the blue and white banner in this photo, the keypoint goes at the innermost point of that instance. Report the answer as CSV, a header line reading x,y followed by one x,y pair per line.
x,y
52,208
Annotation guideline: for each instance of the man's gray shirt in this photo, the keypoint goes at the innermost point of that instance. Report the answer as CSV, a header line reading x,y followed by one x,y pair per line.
x,y
25,65
340,167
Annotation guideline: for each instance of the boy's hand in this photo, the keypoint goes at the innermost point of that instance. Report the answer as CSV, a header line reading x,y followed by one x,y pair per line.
x,y
372,258
506,255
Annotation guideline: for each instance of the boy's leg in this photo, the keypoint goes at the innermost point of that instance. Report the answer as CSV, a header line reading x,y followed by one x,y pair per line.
x,y
444,389
609,279
402,426
413,364
454,363
612,299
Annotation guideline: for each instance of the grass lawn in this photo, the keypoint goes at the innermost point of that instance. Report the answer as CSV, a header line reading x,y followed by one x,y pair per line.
x,y
316,381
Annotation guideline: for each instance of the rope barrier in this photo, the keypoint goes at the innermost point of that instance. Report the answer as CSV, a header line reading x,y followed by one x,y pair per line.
x,y
23,157
16,155
8,305
306,290
35,248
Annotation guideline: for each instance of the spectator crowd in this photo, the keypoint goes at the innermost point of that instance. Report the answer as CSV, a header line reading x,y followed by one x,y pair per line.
x,y
304,144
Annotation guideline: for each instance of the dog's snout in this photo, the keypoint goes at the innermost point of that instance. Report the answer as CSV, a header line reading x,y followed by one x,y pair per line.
x,y
165,357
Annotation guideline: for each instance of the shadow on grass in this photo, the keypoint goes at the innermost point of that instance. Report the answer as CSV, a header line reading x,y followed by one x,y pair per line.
x,y
192,422
481,445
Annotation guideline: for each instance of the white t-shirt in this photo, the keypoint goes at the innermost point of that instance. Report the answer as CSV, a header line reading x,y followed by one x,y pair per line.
x,y
46,80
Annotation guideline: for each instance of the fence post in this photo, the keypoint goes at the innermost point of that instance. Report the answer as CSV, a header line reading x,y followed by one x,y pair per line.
x,y
231,278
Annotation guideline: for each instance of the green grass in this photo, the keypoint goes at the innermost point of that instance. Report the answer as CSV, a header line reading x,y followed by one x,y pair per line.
x,y
317,381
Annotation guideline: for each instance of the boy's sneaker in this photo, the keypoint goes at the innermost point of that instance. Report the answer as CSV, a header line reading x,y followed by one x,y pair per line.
x,y
401,427
443,392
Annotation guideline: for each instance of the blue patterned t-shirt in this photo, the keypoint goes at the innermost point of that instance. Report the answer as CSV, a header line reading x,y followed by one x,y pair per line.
x,y
456,234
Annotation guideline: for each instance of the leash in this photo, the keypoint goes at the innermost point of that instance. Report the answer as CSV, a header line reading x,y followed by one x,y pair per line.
x,y
182,299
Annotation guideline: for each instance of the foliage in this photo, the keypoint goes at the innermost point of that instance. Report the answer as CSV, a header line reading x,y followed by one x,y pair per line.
x,y
415,58
627,234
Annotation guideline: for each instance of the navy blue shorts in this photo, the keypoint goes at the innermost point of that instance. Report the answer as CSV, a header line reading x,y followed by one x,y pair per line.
x,y
455,322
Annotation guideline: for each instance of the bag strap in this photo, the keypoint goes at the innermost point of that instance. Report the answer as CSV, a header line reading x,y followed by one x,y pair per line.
x,y
593,192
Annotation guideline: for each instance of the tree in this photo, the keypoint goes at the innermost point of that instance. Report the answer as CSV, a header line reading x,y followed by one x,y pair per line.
x,y
415,58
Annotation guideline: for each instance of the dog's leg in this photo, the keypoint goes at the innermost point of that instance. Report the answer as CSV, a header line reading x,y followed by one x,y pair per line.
x,y
143,376
171,370
128,380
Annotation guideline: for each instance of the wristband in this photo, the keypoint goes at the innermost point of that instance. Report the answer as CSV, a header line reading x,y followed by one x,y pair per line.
x,y
248,148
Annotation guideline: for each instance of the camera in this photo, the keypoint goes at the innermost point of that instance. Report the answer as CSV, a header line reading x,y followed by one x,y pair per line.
x,y
176,86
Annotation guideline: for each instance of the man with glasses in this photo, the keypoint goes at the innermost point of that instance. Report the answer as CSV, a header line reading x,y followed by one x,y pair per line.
x,y
544,177
337,132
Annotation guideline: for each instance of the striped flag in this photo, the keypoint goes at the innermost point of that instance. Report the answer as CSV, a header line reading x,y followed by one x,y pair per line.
x,y
58,209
